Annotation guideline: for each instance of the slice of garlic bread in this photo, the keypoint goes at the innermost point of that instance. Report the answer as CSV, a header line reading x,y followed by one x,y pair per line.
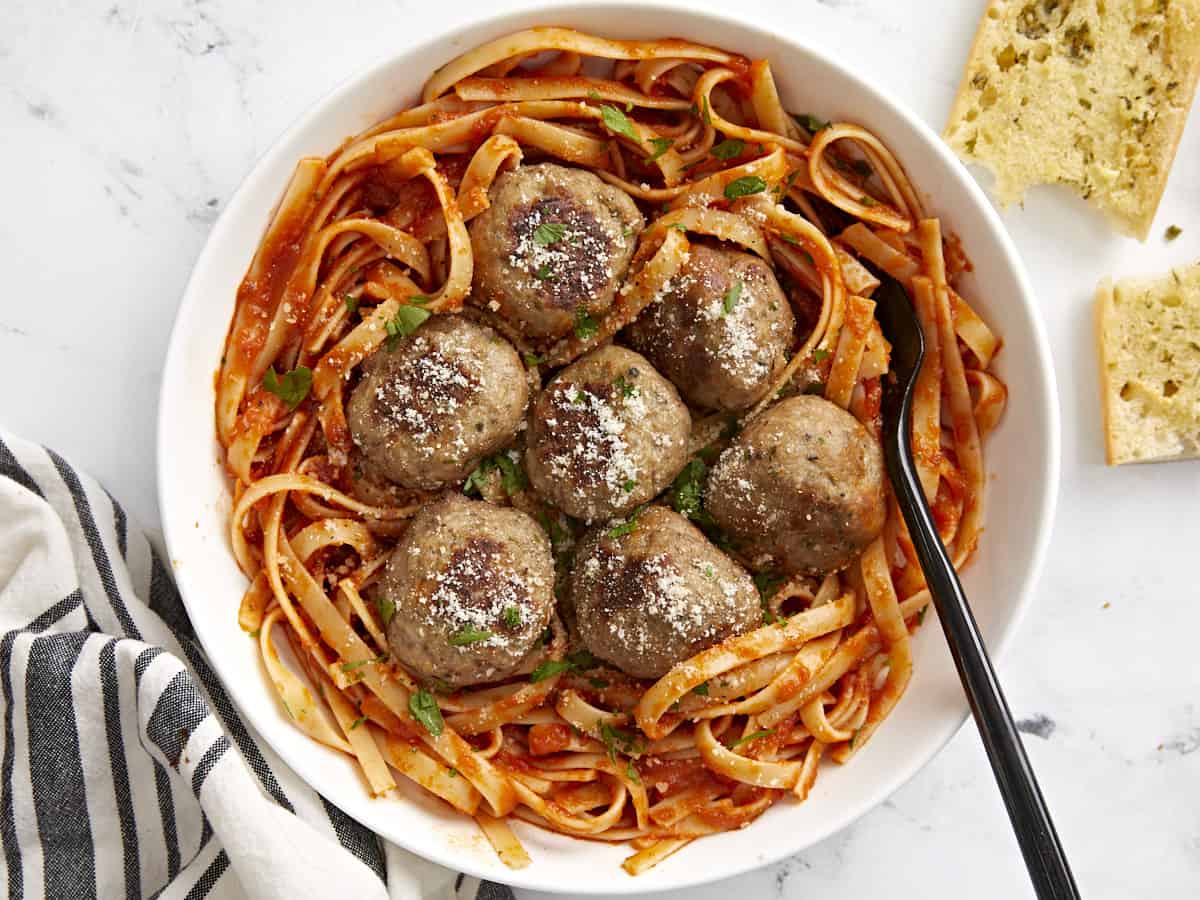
x,y
1149,336
1089,93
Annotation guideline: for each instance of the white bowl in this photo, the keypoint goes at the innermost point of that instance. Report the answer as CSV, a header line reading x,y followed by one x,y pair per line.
x,y
1022,459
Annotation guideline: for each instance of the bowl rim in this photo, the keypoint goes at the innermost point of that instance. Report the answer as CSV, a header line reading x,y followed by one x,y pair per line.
x,y
173,519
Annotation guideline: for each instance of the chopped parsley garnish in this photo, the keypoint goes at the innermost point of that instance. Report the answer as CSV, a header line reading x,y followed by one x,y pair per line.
x,y
512,476
351,305
387,609
404,323
1172,232
357,722
731,298
768,584
549,669
867,201
358,664
512,616
549,233
533,359
469,634
786,185
620,741
292,388
618,123
626,389
585,326
921,615
543,273
709,572
706,113
424,708
729,148
627,527
701,689
661,145
678,226
632,774
810,123
788,239
753,736
593,94
598,683
558,534
628,485
820,354
744,187
627,231
687,492
453,773
419,299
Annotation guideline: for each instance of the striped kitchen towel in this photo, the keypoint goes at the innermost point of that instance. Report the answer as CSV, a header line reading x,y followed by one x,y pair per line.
x,y
126,770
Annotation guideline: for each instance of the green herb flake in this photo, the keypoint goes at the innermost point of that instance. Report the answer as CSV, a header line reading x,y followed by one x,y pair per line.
x,y
731,298
921,615
593,94
632,774
626,389
744,187
598,683
512,476
452,773
753,736
419,299
585,326
729,148
868,201
387,609
423,707
1172,232
701,689
815,388
533,359
618,123
678,226
357,722
706,113
358,664
687,492
469,634
820,355
661,145
627,527
543,273
628,485
788,239
810,123
627,231
549,233
351,305
292,388
404,323
512,616
548,669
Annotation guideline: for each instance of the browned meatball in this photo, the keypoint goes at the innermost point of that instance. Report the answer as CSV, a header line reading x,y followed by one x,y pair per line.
x,y
607,434
553,245
427,410
473,588
659,594
801,487
721,332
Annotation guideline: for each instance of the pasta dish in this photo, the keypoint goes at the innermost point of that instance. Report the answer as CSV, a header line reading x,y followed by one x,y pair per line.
x,y
551,406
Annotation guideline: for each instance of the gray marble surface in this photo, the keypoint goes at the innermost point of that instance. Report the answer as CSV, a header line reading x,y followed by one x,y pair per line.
x,y
125,127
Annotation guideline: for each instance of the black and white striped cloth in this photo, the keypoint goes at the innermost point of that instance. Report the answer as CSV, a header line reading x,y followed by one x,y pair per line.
x,y
126,771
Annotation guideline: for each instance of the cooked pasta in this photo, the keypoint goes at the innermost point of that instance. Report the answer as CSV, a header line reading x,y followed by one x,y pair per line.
x,y
371,246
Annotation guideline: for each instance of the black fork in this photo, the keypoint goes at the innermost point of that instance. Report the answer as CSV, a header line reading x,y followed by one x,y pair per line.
x,y
1044,856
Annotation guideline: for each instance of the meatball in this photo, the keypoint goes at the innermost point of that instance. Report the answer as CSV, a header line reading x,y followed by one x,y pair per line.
x,y
801,487
722,330
473,588
658,594
608,433
553,246
427,410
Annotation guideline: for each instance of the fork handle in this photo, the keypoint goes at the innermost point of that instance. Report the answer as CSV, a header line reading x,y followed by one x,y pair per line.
x,y
1043,852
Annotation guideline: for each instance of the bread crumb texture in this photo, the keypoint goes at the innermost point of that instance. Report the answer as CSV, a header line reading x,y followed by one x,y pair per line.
x,y
1149,333
1089,93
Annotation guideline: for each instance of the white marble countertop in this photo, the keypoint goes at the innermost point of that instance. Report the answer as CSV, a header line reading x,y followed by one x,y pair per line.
x,y
124,128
